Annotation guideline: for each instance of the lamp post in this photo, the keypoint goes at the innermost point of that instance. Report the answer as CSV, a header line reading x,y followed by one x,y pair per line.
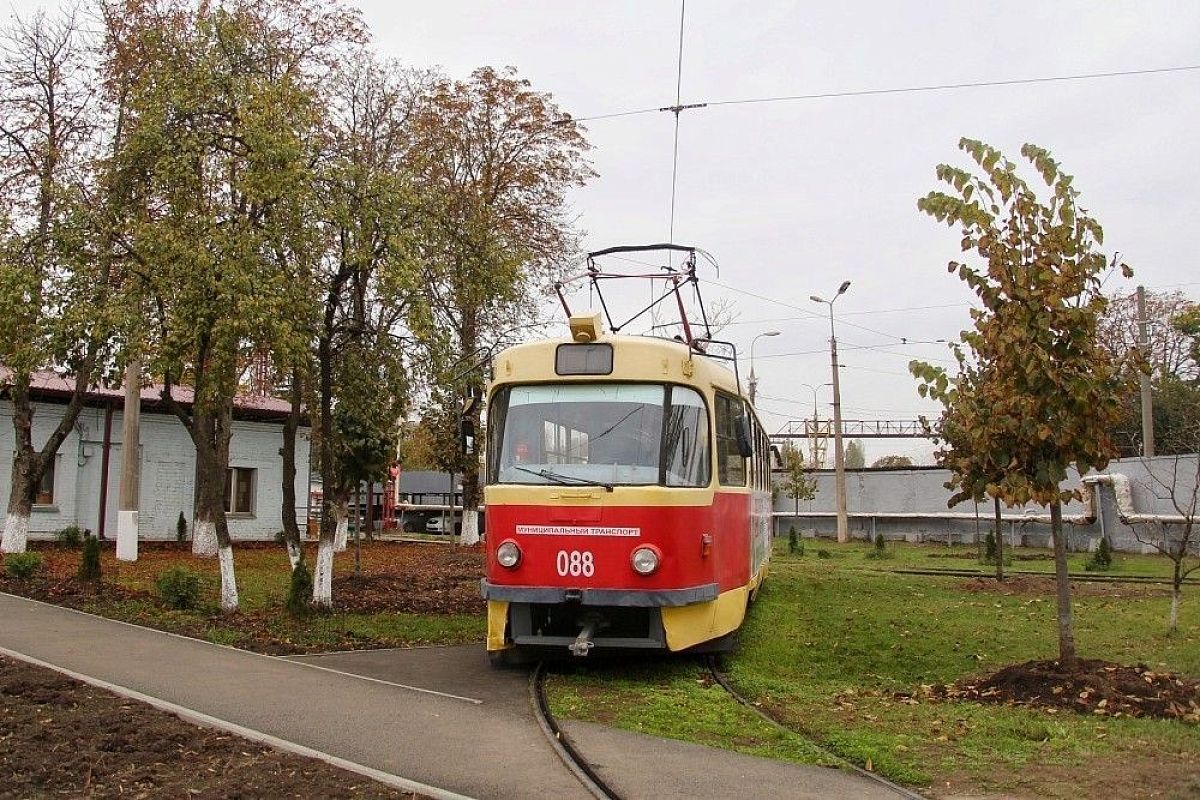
x,y
839,456
753,378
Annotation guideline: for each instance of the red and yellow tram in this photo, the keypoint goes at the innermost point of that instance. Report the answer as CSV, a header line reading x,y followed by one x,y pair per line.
x,y
627,494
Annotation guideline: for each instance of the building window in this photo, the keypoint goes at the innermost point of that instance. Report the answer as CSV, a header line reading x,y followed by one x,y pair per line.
x,y
239,490
564,445
45,492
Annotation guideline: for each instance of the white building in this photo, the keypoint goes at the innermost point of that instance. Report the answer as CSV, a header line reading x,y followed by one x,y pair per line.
x,y
88,465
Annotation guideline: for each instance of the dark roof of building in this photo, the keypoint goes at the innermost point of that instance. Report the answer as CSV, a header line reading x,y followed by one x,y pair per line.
x,y
49,386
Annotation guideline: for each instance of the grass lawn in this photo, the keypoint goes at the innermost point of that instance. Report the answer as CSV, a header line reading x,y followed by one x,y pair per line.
x,y
832,641
367,614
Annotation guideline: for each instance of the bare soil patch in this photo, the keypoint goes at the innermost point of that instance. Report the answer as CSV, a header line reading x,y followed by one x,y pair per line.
x,y
68,739
435,580
1088,687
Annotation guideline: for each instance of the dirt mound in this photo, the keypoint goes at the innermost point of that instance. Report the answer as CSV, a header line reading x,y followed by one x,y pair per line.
x,y
1087,687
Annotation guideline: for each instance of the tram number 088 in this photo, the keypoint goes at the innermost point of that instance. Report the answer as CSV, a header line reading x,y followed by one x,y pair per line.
x,y
575,563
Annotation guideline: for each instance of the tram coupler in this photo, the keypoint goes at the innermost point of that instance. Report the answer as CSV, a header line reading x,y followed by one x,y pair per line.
x,y
583,642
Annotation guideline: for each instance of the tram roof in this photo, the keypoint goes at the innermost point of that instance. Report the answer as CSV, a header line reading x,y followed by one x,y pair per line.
x,y
640,358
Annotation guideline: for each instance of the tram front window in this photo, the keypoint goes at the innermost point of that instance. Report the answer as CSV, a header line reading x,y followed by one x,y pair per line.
x,y
603,433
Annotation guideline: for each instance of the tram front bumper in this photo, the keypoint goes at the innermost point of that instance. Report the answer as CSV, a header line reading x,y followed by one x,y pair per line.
x,y
624,598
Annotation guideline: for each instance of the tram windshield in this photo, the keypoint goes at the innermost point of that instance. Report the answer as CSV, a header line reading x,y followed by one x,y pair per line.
x,y
599,433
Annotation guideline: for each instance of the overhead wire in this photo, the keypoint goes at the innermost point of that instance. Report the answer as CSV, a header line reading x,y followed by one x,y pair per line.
x,y
938,87
801,309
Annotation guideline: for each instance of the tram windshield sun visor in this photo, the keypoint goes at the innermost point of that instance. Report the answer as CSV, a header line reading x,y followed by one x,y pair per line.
x,y
600,434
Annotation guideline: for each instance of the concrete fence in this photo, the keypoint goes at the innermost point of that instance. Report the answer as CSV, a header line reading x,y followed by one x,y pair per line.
x,y
1133,502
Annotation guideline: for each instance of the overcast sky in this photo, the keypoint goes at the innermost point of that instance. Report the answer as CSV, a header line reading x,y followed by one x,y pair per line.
x,y
793,198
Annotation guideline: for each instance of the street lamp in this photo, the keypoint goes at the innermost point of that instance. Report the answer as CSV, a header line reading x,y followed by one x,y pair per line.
x,y
753,379
814,391
839,455
813,429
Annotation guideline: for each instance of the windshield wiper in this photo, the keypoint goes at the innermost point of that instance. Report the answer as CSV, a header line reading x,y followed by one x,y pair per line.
x,y
564,480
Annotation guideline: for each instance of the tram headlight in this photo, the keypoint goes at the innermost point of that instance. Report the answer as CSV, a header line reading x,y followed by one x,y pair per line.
x,y
645,560
508,555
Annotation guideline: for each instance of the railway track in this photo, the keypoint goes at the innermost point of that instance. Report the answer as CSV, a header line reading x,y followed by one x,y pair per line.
x,y
720,679
1083,578
561,743
595,784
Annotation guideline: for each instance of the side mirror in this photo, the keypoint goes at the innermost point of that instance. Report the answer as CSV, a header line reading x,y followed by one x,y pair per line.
x,y
466,436
745,442
776,457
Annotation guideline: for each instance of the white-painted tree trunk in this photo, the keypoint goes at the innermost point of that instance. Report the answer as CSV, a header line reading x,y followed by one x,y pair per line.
x,y
204,538
340,534
1173,623
293,551
470,527
229,592
323,576
16,533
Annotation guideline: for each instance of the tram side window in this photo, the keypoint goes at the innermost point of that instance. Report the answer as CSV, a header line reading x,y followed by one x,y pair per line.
x,y
685,442
762,474
731,467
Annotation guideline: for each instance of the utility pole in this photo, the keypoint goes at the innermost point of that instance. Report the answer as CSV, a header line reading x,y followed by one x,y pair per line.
x,y
127,508
1144,379
839,454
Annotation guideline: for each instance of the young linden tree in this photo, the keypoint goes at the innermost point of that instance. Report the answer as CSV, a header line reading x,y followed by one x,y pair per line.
x,y
1052,393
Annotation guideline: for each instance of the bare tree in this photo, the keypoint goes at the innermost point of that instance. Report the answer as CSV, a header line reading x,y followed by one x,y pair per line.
x,y
53,281
1169,351
1177,539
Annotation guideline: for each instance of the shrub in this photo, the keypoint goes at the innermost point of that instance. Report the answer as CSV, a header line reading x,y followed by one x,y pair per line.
x,y
793,540
180,588
181,528
70,536
280,537
300,589
989,548
1101,560
822,553
22,565
89,564
880,549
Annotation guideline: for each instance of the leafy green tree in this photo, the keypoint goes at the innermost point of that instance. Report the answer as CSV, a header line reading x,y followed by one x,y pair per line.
x,y
496,159
970,441
1052,391
224,117
892,462
365,421
856,458
796,483
372,304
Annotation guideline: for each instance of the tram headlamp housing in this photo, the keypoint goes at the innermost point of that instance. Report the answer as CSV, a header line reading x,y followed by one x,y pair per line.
x,y
645,560
508,554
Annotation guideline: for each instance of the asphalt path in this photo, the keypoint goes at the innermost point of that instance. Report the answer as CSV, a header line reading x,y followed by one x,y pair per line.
x,y
439,718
